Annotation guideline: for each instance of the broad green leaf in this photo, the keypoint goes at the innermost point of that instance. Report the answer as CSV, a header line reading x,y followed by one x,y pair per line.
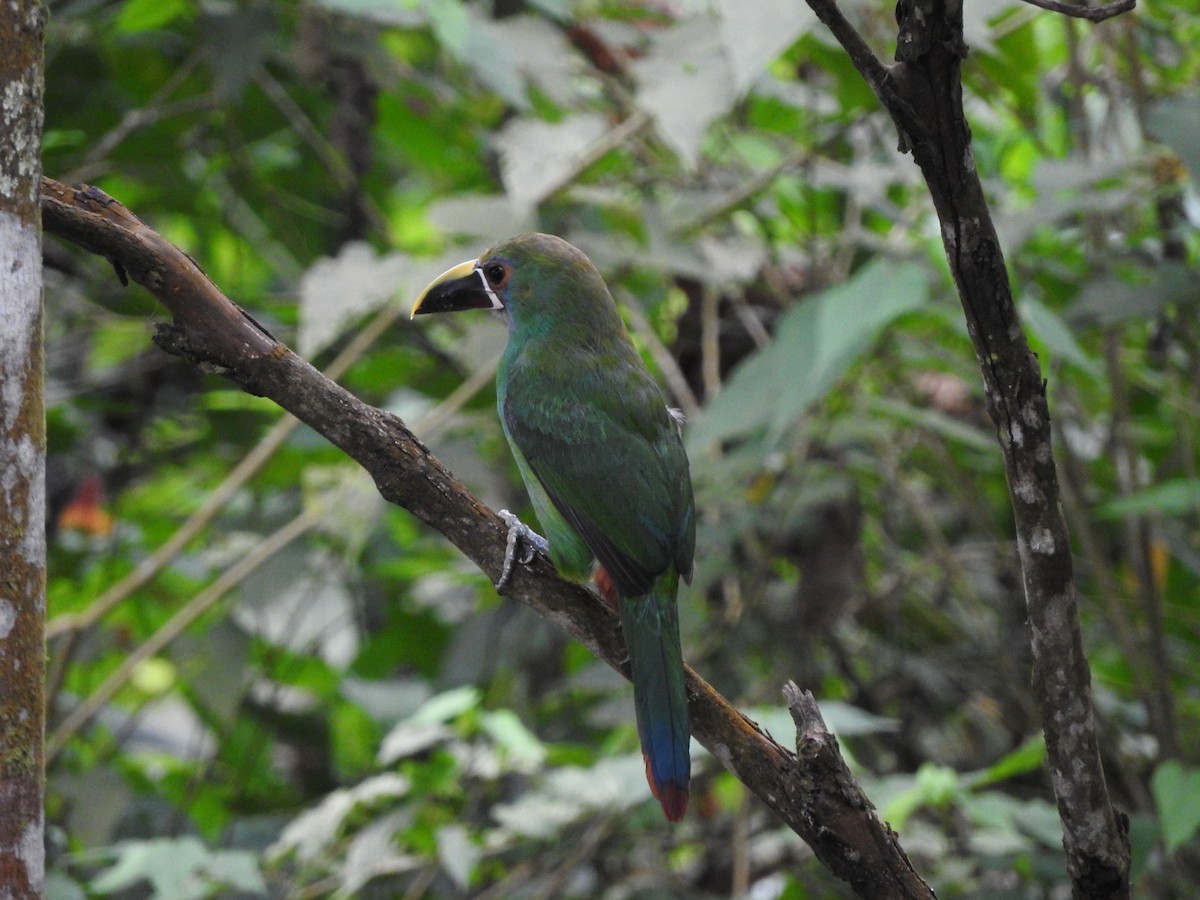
x,y
373,853
299,599
337,291
556,9
146,15
1029,756
1177,794
940,785
546,58
1169,498
1039,819
237,869
345,500
1108,299
60,886
312,832
492,58
169,864
1176,121
1056,335
447,705
755,32
841,719
937,422
524,750
458,854
451,24
116,342
409,738
815,343
613,784
685,84
993,816
537,158
231,400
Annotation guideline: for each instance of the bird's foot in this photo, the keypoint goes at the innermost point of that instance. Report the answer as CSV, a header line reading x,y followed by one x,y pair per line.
x,y
518,532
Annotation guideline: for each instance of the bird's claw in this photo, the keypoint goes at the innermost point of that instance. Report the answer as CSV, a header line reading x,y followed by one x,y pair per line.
x,y
518,532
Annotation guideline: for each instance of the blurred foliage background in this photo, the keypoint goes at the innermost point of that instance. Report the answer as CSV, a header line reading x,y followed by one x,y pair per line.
x,y
266,682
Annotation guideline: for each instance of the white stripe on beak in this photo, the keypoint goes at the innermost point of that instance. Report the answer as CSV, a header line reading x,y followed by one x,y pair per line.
x,y
487,289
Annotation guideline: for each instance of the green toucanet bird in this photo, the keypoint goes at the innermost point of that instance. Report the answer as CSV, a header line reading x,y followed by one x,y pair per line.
x,y
603,461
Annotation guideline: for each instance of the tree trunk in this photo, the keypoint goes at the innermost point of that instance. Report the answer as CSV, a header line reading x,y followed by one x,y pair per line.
x,y
22,456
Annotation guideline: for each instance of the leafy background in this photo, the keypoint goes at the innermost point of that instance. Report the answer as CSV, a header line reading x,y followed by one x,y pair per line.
x,y
266,682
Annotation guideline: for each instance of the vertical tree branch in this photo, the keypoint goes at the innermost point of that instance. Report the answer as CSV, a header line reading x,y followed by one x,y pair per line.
x,y
22,456
923,95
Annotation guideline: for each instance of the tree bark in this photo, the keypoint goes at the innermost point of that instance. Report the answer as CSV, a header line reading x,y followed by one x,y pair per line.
x,y
22,456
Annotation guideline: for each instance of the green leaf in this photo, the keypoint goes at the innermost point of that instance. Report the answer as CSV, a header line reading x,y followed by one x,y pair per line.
x,y
1176,121
169,864
146,15
523,748
314,831
458,854
537,158
1049,327
815,344
118,341
845,720
685,83
451,24
1169,498
237,869
60,886
446,706
940,785
937,422
1029,756
1177,794
755,32
475,41
236,401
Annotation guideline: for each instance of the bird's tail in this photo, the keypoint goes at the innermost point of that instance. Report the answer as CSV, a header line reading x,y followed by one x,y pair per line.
x,y
651,626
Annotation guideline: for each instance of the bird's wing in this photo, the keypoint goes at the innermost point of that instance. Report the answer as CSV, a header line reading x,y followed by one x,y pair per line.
x,y
615,469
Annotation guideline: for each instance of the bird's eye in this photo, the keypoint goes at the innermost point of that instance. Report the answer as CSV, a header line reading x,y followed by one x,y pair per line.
x,y
496,274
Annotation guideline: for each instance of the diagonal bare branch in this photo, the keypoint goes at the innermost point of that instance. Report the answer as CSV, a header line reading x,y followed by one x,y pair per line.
x,y
810,794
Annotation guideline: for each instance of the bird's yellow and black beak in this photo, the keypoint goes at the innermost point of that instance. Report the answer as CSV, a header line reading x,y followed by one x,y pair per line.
x,y
461,287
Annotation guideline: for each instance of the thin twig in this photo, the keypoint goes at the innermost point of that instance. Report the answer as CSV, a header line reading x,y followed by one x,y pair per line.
x,y
1091,13
680,389
723,205
329,155
710,341
1136,530
869,67
754,327
155,110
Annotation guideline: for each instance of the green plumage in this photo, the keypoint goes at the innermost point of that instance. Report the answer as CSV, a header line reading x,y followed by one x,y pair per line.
x,y
602,459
